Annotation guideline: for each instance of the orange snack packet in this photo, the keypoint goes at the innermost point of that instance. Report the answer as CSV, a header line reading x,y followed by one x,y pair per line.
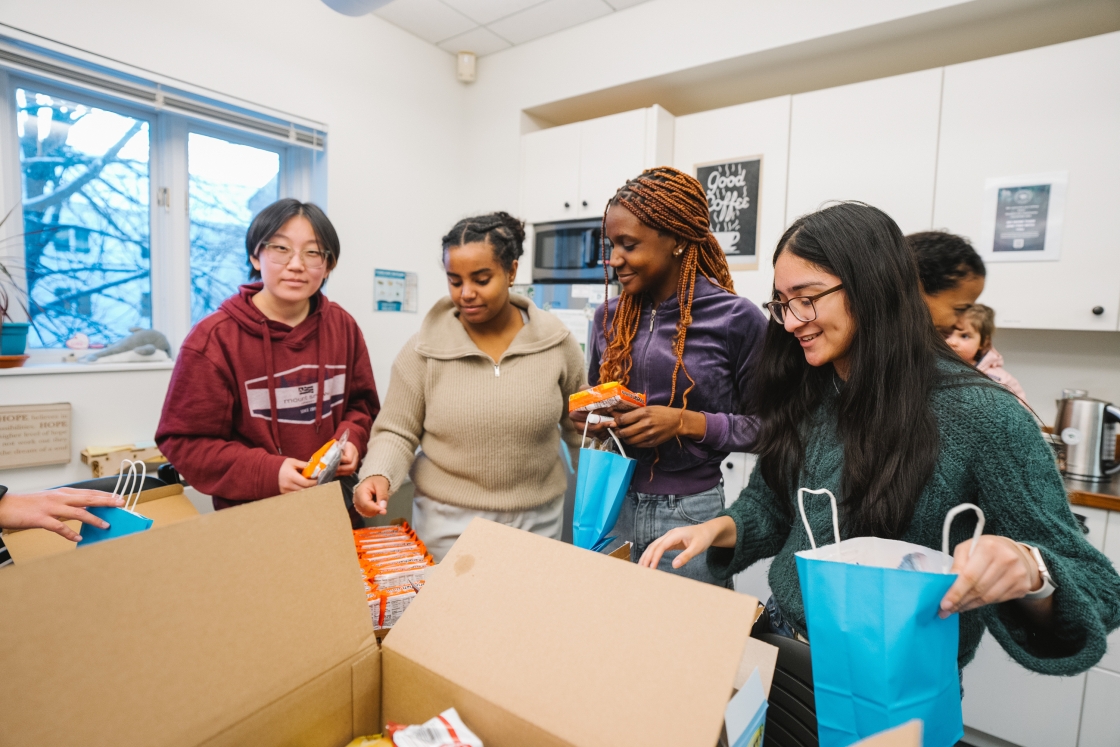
x,y
603,396
313,462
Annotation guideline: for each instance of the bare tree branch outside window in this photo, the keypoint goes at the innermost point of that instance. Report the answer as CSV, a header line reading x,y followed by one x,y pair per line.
x,y
86,220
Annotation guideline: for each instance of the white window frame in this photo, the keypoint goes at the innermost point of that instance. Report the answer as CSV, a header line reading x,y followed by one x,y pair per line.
x,y
302,176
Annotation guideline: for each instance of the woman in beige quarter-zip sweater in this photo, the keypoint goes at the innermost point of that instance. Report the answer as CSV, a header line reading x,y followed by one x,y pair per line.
x,y
480,389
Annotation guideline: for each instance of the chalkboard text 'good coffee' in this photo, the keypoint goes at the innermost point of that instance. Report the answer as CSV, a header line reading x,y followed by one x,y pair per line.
x,y
732,189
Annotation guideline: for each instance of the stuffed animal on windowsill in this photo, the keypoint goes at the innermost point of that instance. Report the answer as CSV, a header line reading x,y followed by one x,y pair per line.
x,y
142,346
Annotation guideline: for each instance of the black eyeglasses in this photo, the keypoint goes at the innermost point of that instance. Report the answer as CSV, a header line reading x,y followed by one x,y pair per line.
x,y
801,307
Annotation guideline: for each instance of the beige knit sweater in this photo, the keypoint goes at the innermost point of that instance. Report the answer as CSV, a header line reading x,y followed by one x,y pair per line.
x,y
487,431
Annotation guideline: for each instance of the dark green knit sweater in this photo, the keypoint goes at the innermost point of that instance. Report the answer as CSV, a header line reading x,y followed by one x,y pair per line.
x,y
993,455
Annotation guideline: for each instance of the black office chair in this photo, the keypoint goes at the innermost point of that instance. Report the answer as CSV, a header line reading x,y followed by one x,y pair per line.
x,y
791,720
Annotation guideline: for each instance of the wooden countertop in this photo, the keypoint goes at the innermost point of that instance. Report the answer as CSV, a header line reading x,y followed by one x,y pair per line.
x,y
1094,494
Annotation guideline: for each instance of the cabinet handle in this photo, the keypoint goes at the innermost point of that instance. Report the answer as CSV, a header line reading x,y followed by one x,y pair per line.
x,y
567,205
1098,310
585,203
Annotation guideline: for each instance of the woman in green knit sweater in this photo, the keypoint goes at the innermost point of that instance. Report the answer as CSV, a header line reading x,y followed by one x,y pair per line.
x,y
858,393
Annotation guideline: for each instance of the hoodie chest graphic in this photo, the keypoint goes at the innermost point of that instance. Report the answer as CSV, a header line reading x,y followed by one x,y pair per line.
x,y
297,392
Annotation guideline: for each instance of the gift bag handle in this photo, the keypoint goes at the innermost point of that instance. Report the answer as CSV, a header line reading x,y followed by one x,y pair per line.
x,y
600,419
133,483
835,516
953,513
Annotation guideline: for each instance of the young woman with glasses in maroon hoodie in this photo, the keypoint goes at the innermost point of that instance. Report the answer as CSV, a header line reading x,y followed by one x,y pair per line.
x,y
277,371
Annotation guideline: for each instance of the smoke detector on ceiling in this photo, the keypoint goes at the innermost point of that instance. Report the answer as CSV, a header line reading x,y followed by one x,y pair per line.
x,y
466,67
355,7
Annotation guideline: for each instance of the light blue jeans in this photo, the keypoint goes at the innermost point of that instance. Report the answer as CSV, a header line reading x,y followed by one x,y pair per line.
x,y
645,517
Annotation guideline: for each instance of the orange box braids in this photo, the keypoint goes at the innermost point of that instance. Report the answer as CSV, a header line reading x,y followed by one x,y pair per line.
x,y
673,203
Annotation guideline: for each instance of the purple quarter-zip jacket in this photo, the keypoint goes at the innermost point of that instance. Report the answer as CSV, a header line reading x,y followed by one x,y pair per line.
x,y
722,344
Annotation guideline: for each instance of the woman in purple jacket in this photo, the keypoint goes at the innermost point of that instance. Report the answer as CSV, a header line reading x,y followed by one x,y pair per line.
x,y
680,335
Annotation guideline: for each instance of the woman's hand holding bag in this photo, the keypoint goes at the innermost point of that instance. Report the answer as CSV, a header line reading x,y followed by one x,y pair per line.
x,y
991,570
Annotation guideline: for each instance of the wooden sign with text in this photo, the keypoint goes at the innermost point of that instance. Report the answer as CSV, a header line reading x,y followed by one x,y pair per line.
x,y
34,435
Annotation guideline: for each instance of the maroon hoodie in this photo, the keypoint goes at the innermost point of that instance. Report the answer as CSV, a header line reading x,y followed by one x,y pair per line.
x,y
241,401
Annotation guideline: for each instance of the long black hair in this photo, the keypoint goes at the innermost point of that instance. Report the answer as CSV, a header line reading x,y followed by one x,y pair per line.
x,y
884,420
272,219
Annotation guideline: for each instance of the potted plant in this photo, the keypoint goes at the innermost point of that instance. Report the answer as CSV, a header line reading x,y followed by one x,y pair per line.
x,y
13,334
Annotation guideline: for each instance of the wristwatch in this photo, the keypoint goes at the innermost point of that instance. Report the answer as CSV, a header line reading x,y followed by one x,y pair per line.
x,y
1048,585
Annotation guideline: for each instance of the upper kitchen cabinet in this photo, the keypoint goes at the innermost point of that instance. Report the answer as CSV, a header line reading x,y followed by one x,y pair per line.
x,y
874,141
759,129
550,174
571,171
1052,109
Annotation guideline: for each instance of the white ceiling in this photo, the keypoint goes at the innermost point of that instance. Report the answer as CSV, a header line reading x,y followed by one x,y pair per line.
x,y
487,26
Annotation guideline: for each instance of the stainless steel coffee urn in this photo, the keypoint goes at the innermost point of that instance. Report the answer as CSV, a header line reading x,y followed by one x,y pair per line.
x,y
1087,429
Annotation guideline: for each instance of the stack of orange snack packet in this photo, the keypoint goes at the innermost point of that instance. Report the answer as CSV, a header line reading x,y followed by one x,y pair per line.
x,y
394,564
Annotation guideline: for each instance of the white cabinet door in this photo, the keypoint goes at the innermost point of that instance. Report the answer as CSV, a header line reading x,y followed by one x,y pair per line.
x,y
1006,701
550,174
1100,719
874,141
760,128
1111,660
612,151
1096,521
1050,109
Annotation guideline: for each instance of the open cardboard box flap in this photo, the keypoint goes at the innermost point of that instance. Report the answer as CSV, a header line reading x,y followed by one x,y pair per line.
x,y
250,626
164,505
538,642
239,627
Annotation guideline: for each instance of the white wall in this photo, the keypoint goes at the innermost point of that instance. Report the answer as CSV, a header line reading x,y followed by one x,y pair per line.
x,y
647,40
1047,361
393,108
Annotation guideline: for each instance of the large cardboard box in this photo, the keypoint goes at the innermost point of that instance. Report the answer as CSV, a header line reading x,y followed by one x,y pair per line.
x,y
165,505
250,626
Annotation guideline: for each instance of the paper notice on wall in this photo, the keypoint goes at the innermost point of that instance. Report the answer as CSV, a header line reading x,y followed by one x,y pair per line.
x,y
577,321
395,291
34,435
595,293
1023,218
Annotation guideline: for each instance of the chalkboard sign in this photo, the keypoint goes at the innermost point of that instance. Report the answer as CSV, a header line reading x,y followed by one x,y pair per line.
x,y
732,189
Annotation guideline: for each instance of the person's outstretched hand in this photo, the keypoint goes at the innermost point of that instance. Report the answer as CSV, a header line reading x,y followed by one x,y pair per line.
x,y
691,541
371,496
47,509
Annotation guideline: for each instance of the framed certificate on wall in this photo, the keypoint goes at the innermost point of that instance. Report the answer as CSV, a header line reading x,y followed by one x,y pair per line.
x,y
1023,217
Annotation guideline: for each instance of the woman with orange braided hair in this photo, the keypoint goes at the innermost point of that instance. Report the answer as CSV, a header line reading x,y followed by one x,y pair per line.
x,y
679,334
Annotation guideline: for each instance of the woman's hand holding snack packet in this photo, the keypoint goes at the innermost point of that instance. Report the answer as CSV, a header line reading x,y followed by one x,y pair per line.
x,y
604,401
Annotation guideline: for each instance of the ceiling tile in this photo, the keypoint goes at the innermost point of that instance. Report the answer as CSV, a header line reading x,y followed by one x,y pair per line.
x,y
431,20
481,41
486,11
623,4
547,18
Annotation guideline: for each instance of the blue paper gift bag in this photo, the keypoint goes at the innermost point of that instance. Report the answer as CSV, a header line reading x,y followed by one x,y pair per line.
x,y
122,521
881,654
601,485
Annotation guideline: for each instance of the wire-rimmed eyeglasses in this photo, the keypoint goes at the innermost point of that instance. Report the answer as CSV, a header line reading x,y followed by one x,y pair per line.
x,y
802,307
